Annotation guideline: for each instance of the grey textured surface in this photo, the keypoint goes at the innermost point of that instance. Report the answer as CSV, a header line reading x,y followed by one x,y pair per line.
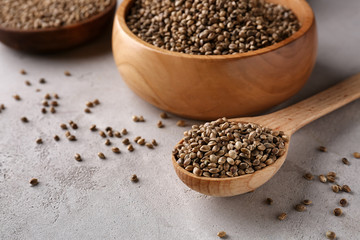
x,y
94,199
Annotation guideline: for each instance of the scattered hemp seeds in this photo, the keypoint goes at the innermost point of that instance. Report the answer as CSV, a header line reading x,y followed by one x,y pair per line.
x,y
330,235
24,120
73,125
67,134
356,155
87,110
93,127
45,103
269,201
228,149
331,176
141,141
56,96
17,97
77,157
164,115
308,176
307,202
67,73
211,27
101,155
96,102
126,141
34,181
110,133
343,202
89,104
322,178
28,83
136,139
47,96
141,119
322,149
130,148
115,150
160,124
181,123
102,134
107,142
117,134
134,178
52,110
135,118
54,104
300,207
23,72
337,212
154,143
39,141
56,138
221,234
124,131
43,110
2,107
42,81
63,126
71,138
346,188
345,161
149,145
335,188
282,216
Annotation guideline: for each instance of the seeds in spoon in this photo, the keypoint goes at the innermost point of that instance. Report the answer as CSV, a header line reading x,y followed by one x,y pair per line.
x,y
356,155
308,176
337,212
221,234
101,155
300,207
343,202
134,178
330,235
322,149
282,216
77,157
34,181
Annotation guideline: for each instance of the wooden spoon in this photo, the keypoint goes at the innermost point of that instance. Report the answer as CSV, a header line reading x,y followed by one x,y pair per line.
x,y
288,120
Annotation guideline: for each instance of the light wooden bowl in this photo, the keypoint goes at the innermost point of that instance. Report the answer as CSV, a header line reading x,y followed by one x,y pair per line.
x,y
208,87
56,39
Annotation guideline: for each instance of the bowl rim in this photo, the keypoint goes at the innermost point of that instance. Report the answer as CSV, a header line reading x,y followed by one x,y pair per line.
x,y
95,17
305,27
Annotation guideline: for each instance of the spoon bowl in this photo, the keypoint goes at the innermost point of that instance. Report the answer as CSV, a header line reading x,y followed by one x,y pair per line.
x,y
288,120
55,39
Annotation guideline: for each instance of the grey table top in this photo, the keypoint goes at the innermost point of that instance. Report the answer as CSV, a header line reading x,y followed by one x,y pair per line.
x,y
94,199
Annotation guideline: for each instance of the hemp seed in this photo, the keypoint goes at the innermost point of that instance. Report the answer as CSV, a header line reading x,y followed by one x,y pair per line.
x,y
282,216
343,202
126,141
137,139
42,81
63,126
107,142
67,73
56,138
96,102
24,120
345,161
39,141
154,143
149,145
56,96
52,110
221,234
117,134
330,235
17,97
356,155
141,119
322,178
335,188
307,202
93,127
34,182
269,201
45,103
322,149
115,150
110,133
2,107
87,110
134,178
47,96
141,141
102,134
308,176
67,134
346,188
101,155
71,138
28,83
300,207
54,104
135,118
124,131
181,123
164,115
89,104
77,157
23,72
337,212
160,124
130,148
43,110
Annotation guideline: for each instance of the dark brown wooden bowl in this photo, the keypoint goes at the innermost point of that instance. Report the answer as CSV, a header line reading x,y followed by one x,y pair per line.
x,y
61,38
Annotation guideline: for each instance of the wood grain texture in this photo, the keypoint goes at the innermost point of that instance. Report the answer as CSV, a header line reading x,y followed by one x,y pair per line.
x,y
56,39
208,87
288,120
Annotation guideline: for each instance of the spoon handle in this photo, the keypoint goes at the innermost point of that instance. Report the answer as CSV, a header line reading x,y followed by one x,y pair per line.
x,y
298,115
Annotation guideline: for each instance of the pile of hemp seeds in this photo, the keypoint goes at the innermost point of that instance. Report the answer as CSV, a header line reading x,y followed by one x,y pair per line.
x,y
222,148
211,27
39,14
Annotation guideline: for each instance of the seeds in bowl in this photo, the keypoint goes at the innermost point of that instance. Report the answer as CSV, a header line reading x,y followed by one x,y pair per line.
x,y
211,27
228,149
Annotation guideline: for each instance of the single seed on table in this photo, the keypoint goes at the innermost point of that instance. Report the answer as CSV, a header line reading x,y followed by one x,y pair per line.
x,y
67,73
96,102
115,150
126,141
56,138
322,149
87,110
154,142
17,97
345,161
93,127
221,234
23,72
52,110
308,176
337,212
24,119
89,104
38,90
102,134
282,216
124,131
101,155
269,201
149,145
47,96
331,174
343,202
307,202
39,141
134,178
34,182
54,103
45,103
356,154
130,148
107,142
74,126
43,110
164,115
71,138
141,119
335,188
135,118
160,124
346,188
181,123
331,179
141,141
63,126
56,96
2,106
77,157
300,207
322,178
110,133
28,83
42,81
117,134
67,134
330,235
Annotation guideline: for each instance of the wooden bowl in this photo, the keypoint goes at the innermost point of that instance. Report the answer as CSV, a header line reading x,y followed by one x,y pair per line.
x,y
208,87
55,39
